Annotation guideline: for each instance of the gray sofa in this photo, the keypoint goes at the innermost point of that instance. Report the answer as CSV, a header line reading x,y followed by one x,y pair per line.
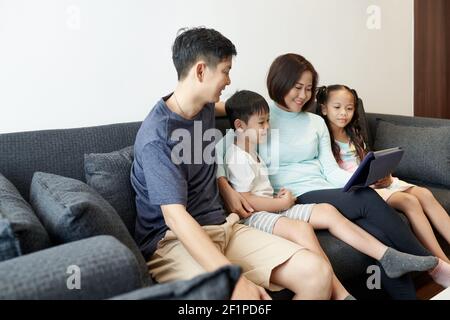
x,y
110,269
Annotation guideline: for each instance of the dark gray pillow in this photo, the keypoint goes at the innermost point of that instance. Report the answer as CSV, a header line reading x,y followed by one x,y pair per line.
x,y
217,285
109,175
24,223
427,151
9,245
71,210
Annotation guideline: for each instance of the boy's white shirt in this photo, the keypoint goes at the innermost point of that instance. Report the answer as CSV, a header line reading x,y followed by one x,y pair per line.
x,y
245,173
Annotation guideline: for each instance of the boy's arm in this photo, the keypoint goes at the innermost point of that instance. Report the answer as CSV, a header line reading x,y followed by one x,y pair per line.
x,y
268,204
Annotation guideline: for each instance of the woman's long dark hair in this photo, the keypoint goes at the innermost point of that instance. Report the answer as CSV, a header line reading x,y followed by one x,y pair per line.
x,y
353,129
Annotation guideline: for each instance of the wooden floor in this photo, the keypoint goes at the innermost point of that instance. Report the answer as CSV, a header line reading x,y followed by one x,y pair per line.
x,y
426,287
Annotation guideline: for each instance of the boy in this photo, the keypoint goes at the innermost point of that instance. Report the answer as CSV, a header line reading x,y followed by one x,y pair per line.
x,y
181,227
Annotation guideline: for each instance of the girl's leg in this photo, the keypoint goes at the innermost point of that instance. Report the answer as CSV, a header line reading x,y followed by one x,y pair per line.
x,y
412,208
303,234
366,204
434,211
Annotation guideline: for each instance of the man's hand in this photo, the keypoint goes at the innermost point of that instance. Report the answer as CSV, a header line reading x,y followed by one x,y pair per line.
x,y
247,290
384,183
234,201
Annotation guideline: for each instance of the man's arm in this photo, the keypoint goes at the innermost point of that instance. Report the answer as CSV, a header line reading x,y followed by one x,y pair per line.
x,y
234,201
193,237
202,249
220,109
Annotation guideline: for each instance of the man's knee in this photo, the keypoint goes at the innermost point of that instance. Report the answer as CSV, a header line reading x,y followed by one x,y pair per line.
x,y
315,272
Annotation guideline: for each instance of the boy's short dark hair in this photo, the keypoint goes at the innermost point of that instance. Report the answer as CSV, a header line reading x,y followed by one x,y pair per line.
x,y
284,74
243,104
200,43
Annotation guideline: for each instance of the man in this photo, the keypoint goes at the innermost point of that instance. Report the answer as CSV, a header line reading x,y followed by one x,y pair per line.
x,y
181,227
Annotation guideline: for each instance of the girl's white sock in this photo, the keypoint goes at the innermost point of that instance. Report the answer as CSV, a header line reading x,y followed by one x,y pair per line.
x,y
441,274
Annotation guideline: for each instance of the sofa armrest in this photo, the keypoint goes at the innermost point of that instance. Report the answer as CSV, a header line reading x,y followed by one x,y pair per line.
x,y
101,266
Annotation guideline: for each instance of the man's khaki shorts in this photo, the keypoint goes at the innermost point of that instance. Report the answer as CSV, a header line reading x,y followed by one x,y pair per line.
x,y
257,252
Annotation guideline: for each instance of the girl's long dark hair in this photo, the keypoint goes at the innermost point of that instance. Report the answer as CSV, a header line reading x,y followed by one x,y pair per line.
x,y
353,129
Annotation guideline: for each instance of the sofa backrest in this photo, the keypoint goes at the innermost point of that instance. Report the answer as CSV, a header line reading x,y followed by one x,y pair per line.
x,y
373,118
58,151
62,151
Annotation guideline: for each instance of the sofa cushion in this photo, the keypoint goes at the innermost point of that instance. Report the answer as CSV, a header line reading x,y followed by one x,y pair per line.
x,y
24,223
9,245
71,210
102,266
109,175
427,151
217,285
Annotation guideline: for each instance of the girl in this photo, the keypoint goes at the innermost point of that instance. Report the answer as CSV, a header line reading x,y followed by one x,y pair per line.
x,y
338,106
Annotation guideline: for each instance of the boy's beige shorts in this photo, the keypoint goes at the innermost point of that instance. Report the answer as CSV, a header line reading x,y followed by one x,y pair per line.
x,y
257,252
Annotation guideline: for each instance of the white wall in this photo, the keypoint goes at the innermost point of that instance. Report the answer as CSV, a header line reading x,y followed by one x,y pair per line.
x,y
71,63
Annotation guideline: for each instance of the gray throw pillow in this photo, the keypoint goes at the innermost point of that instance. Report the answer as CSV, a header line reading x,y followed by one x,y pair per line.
x,y
71,210
217,285
109,175
26,226
9,245
427,151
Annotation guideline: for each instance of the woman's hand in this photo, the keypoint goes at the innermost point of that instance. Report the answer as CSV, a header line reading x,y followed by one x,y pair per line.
x,y
384,183
234,201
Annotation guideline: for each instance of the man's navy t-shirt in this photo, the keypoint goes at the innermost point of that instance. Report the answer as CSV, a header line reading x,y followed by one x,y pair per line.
x,y
185,176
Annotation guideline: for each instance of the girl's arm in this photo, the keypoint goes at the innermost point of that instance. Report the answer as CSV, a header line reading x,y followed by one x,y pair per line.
x,y
333,173
384,183
269,204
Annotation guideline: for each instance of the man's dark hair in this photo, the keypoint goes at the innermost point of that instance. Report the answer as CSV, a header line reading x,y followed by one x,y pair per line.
x,y
200,43
243,104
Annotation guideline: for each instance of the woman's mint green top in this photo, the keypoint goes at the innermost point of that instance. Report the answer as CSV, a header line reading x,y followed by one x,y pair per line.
x,y
299,155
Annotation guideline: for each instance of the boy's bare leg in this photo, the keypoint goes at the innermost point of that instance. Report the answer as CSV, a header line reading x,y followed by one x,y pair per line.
x,y
303,234
394,262
325,216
